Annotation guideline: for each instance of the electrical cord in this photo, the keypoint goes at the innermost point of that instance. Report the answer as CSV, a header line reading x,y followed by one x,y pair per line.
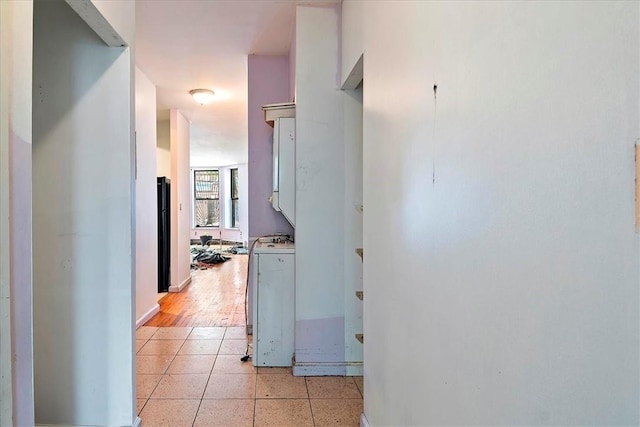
x,y
287,238
247,356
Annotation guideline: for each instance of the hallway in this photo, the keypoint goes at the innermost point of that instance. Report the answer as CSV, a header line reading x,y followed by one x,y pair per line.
x,y
215,297
194,377
189,371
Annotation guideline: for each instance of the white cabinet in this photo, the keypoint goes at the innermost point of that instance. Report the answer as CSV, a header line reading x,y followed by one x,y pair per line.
x,y
273,304
284,167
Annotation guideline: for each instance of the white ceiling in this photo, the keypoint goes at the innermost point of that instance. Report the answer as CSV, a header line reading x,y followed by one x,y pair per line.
x,y
184,45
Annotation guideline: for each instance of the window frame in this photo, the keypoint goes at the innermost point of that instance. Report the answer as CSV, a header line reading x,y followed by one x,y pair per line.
x,y
196,172
235,198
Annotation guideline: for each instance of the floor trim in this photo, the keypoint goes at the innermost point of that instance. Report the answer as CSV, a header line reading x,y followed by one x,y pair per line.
x,y
148,315
318,369
363,421
136,423
354,369
182,285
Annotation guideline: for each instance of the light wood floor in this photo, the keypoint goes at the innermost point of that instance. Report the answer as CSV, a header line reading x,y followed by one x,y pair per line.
x,y
215,297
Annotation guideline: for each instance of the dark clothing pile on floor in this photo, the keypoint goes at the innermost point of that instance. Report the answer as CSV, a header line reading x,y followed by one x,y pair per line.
x,y
202,258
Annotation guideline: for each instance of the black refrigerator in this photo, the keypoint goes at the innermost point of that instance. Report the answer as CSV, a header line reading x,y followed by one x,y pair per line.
x,y
164,233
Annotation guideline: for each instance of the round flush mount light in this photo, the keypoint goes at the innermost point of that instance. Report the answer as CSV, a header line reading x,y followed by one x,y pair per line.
x,y
202,96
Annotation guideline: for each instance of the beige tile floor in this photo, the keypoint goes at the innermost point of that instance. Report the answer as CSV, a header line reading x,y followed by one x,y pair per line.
x,y
194,377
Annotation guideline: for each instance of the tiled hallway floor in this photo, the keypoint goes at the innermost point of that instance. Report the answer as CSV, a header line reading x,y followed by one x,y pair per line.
x,y
194,377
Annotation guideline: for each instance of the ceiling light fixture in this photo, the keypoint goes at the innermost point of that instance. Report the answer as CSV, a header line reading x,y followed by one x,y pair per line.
x,y
202,96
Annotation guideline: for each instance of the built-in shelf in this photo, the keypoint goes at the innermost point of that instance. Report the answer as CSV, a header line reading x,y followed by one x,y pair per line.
x,y
360,295
360,337
360,253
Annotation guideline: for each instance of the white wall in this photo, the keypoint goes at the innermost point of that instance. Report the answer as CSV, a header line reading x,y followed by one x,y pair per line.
x,y
320,178
16,353
83,289
119,18
180,201
146,200
505,289
163,152
225,232
352,44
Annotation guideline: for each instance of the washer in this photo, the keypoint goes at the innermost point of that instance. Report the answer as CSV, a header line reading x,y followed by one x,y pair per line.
x,y
273,304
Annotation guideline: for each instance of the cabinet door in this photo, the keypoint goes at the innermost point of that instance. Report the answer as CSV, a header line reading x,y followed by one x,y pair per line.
x,y
287,165
275,305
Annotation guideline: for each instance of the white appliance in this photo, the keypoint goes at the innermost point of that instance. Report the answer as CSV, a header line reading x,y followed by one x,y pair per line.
x,y
284,167
273,303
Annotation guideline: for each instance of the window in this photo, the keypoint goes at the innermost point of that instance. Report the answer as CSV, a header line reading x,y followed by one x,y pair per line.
x,y
207,197
235,216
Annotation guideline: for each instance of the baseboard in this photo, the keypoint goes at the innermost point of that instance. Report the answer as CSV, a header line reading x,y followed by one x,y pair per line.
x,y
354,369
363,421
136,423
148,315
319,369
61,425
182,285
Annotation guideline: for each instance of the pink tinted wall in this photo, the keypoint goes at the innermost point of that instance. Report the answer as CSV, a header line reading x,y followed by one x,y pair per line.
x,y
292,66
268,84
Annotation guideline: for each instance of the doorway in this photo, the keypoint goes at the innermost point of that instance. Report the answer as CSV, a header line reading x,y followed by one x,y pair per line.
x,y
353,90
